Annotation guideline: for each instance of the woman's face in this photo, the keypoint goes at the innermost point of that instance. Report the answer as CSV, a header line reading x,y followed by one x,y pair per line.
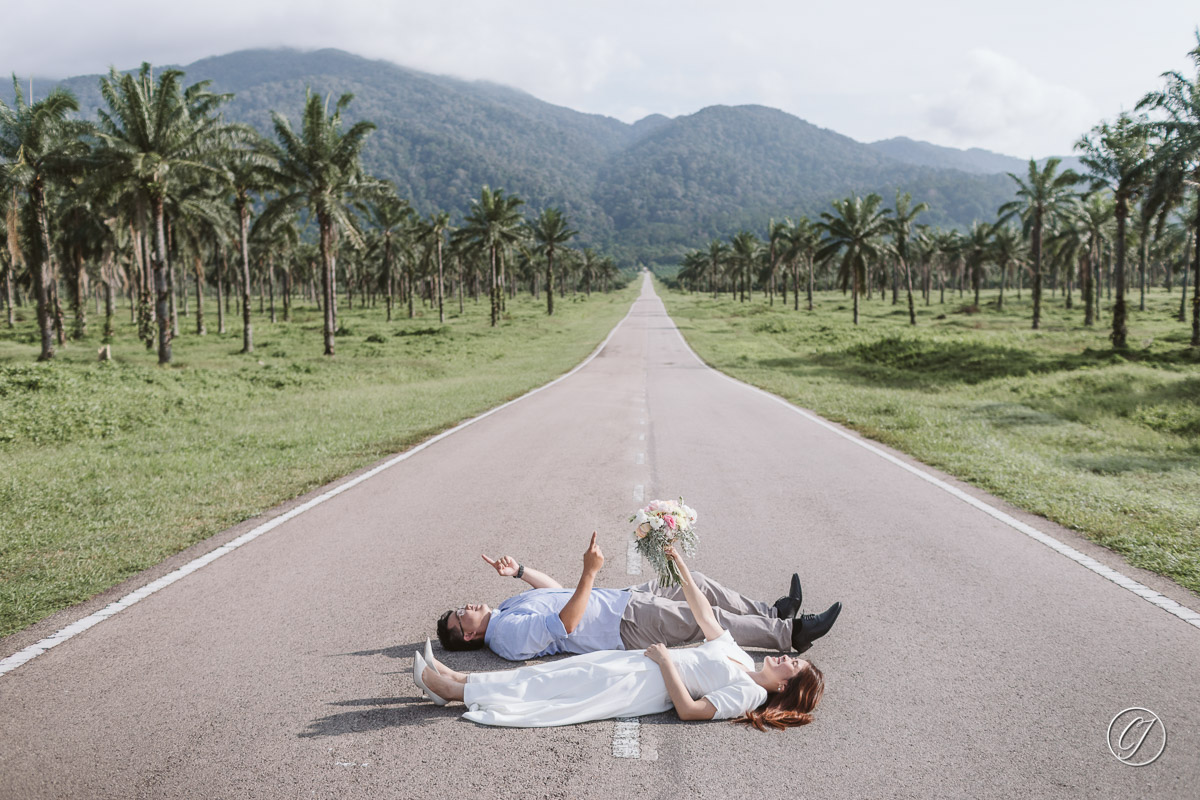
x,y
782,669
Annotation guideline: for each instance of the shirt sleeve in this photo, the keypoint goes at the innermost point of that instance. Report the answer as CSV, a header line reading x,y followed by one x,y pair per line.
x,y
520,635
736,699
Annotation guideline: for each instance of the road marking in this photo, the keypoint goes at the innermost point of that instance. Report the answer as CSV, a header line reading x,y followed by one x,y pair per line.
x,y
633,559
74,629
639,493
1186,614
641,437
641,422
626,735
641,458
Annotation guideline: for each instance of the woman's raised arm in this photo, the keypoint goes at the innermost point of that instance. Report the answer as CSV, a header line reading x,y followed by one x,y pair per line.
x,y
697,602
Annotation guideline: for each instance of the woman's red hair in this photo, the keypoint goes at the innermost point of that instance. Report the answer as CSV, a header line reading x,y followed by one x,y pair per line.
x,y
792,707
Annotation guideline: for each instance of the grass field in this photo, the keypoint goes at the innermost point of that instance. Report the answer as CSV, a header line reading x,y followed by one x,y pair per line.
x,y
1052,420
108,468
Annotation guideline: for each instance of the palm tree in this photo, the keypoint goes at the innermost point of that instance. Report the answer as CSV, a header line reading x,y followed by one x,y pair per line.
x,y
549,232
433,233
156,137
977,250
855,231
321,170
718,258
900,227
1178,153
1082,237
1041,200
1006,252
81,239
40,146
744,249
10,253
1118,157
494,224
390,216
777,233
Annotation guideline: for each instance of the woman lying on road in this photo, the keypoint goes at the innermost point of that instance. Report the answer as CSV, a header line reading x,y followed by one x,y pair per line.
x,y
715,680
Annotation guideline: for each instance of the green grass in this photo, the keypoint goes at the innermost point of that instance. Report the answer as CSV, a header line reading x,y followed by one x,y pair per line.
x,y
1053,420
108,468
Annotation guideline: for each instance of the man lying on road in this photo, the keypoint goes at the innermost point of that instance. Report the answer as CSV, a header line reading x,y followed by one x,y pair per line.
x,y
548,619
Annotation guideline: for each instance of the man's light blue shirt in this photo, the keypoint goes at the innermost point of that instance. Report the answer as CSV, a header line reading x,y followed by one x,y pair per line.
x,y
528,626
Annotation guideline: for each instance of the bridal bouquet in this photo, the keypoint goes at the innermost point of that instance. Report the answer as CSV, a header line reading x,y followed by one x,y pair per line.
x,y
663,523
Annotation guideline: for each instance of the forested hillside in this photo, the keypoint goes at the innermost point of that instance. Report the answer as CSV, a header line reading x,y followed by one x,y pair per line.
x,y
644,191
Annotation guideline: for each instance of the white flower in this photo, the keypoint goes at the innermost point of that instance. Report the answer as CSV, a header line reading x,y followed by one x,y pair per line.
x,y
640,516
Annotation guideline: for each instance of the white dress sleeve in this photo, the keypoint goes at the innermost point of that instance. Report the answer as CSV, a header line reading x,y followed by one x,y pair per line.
x,y
736,699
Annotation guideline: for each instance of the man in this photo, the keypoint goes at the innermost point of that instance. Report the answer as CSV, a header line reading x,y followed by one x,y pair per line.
x,y
549,619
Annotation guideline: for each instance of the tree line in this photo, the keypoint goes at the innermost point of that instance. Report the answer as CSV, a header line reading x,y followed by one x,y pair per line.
x,y
162,184
1139,201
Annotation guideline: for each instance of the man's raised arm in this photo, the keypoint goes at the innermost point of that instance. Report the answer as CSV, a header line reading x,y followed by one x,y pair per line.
x,y
508,567
572,612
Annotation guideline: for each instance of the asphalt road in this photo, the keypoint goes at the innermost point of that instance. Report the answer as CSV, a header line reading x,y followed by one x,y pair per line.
x,y
969,660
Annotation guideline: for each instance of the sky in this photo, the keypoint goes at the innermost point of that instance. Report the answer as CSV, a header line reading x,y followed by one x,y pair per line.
x,y
1023,77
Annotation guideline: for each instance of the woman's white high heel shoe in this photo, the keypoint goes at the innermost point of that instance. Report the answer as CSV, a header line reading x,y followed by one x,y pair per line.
x,y
429,659
418,668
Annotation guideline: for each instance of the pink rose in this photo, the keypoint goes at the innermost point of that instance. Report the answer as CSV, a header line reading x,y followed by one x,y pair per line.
x,y
670,521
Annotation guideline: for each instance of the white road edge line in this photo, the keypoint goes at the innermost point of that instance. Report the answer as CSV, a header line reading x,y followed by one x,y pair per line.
x,y
1145,592
74,629
626,736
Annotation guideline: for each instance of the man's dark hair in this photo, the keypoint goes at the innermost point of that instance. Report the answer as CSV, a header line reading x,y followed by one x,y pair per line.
x,y
452,638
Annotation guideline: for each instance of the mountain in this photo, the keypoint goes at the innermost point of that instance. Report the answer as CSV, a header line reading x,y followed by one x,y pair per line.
x,y
646,191
975,160
725,168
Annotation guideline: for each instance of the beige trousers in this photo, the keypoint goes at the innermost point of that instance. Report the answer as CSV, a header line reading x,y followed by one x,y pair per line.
x,y
660,614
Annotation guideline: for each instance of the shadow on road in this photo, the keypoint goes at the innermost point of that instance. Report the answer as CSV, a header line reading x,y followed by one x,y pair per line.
x,y
373,714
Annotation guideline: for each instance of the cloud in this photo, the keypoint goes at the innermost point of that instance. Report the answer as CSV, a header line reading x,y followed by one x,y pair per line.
x,y
999,104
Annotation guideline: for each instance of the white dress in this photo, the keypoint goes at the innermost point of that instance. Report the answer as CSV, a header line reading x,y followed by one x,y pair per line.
x,y
611,683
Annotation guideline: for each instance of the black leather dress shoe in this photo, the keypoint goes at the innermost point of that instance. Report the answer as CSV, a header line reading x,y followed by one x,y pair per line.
x,y
795,590
810,627
787,607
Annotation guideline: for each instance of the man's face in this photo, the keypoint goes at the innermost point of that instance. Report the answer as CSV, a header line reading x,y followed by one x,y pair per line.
x,y
470,619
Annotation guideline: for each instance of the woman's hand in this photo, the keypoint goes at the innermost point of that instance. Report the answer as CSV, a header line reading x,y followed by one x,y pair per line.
x,y
505,566
658,653
670,552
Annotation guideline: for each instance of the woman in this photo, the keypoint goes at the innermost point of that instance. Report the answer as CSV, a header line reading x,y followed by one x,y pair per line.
x,y
716,680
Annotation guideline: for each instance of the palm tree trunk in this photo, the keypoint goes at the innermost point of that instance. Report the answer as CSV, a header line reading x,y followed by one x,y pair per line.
x,y
912,311
287,291
8,294
854,286
440,286
1037,269
1196,284
492,292
199,263
550,282
247,331
1120,331
162,288
37,270
327,279
271,284
1089,316
109,310
221,292
1142,256
80,278
387,270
